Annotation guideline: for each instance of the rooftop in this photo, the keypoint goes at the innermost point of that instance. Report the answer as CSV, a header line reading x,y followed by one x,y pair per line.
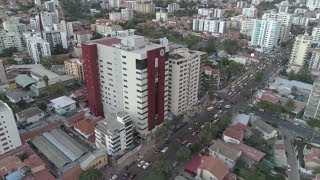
x,y
227,151
234,134
110,125
248,151
215,166
33,111
241,118
4,107
263,126
36,69
62,101
24,80
193,164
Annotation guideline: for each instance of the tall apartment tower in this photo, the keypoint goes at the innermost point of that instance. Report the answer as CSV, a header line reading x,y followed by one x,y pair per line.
x,y
128,74
114,134
265,34
285,21
312,109
184,68
300,49
9,134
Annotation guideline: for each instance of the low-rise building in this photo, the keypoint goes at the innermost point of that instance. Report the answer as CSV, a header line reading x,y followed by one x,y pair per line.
x,y
267,130
62,105
86,126
249,154
231,135
224,152
15,96
83,36
97,159
162,16
212,168
280,157
311,158
114,134
30,115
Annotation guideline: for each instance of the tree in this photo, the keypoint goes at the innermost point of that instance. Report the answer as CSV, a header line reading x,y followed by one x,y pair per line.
x,y
96,35
245,93
289,105
258,76
46,80
42,105
8,52
58,89
10,61
23,156
183,153
211,46
263,168
177,120
231,46
58,49
91,174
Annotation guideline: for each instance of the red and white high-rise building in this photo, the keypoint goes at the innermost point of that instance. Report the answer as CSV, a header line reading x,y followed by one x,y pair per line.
x,y
128,74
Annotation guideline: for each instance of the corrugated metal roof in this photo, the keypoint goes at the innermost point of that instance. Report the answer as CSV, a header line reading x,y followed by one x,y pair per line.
x,y
68,141
65,150
24,80
51,152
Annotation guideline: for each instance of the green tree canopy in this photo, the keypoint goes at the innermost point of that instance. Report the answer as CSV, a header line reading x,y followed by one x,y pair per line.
x,y
91,174
289,105
231,46
183,153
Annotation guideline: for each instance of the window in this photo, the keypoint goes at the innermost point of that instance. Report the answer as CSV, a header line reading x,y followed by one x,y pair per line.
x,y
141,64
123,56
124,74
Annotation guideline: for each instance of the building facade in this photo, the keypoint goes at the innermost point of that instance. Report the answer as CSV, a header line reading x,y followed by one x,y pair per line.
x,y
265,34
312,109
38,49
9,134
315,34
74,67
114,134
127,14
300,50
173,7
140,69
184,68
10,40
285,21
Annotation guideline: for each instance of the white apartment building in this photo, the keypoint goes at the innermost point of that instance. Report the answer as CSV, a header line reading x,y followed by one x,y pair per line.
x,y
265,34
211,12
316,34
284,6
184,68
9,135
49,18
218,13
115,16
312,109
56,37
114,134
14,26
133,75
206,25
173,7
313,4
8,40
49,5
114,3
106,28
64,26
38,49
122,33
37,3
35,23
241,4
162,16
285,20
127,14
247,26
250,12
314,63
300,50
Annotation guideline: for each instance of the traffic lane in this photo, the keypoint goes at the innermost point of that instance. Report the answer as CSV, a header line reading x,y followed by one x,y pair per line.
x,y
304,132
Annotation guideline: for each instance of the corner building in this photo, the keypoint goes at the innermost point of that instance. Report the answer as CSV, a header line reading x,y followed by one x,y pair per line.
x,y
128,74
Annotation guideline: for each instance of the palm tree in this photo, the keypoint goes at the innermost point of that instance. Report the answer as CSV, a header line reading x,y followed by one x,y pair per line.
x,y
46,80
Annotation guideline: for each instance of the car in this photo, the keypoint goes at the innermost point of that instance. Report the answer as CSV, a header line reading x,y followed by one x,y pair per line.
x,y
288,167
188,144
216,115
194,133
262,110
164,150
297,124
184,142
227,106
209,108
202,126
234,102
175,164
190,128
250,105
114,177
146,165
141,163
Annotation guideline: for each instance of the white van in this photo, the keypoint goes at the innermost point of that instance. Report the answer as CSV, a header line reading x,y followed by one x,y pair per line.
x,y
210,108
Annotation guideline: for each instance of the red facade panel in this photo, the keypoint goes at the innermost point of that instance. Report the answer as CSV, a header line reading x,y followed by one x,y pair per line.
x,y
156,91
91,75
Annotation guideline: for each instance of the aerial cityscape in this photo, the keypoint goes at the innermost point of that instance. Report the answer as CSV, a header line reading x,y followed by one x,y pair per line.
x,y
160,89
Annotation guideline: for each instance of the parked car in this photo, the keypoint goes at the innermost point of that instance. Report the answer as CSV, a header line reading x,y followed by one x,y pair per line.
x,y
146,165
114,177
209,108
141,163
227,106
164,150
175,164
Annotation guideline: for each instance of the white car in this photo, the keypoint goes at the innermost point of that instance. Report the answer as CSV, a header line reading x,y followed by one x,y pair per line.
x,y
141,163
227,106
164,150
146,165
216,115
114,177
210,108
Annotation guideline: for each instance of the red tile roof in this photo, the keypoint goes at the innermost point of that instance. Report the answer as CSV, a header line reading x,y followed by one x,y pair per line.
x,y
239,127
43,175
230,176
72,174
86,126
234,134
249,151
74,119
215,166
193,164
312,156
9,163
